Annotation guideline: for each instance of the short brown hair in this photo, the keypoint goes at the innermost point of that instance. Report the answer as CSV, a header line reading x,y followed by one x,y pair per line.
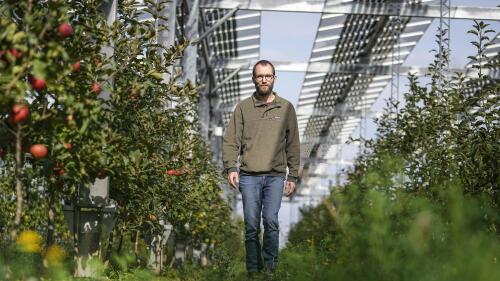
x,y
263,62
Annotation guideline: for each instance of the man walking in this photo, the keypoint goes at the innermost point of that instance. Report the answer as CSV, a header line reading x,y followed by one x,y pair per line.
x,y
262,139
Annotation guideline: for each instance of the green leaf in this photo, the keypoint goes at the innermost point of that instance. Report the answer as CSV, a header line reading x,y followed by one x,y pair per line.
x,y
18,37
156,74
38,68
84,126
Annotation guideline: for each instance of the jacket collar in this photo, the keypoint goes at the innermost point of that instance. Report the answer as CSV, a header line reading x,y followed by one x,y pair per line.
x,y
257,102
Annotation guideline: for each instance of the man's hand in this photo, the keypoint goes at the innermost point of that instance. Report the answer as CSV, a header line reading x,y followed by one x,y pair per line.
x,y
234,179
289,188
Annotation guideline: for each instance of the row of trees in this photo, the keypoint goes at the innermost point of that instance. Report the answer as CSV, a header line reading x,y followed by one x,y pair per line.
x,y
423,200
83,100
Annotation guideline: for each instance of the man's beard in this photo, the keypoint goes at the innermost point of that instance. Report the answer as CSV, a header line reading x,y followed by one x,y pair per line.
x,y
264,93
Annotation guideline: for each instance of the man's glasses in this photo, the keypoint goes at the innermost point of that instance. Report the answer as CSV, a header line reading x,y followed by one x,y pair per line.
x,y
267,77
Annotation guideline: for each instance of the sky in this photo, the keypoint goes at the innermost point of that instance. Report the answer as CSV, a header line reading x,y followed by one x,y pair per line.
x,y
287,36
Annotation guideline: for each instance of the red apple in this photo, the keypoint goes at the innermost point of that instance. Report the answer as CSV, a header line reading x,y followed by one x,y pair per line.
x,y
19,113
59,169
96,88
76,66
65,29
174,172
15,53
39,151
68,146
37,83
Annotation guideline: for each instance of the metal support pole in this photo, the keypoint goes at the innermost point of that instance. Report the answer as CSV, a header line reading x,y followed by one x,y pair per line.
x,y
396,57
166,37
189,61
204,105
100,188
443,65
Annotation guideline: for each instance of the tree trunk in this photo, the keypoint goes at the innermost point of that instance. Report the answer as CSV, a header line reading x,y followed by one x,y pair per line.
x,y
136,246
120,244
19,185
51,216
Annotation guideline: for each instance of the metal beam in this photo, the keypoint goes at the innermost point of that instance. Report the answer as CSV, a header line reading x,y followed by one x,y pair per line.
x,y
326,67
358,8
229,77
328,140
320,176
331,161
215,26
323,140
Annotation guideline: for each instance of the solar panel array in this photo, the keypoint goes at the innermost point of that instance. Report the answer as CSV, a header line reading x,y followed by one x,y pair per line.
x,y
332,104
238,38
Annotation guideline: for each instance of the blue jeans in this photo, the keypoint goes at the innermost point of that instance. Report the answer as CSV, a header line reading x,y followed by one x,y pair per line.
x,y
261,194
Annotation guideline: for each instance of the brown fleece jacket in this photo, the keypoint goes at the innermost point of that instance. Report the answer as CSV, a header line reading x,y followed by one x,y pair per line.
x,y
265,137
